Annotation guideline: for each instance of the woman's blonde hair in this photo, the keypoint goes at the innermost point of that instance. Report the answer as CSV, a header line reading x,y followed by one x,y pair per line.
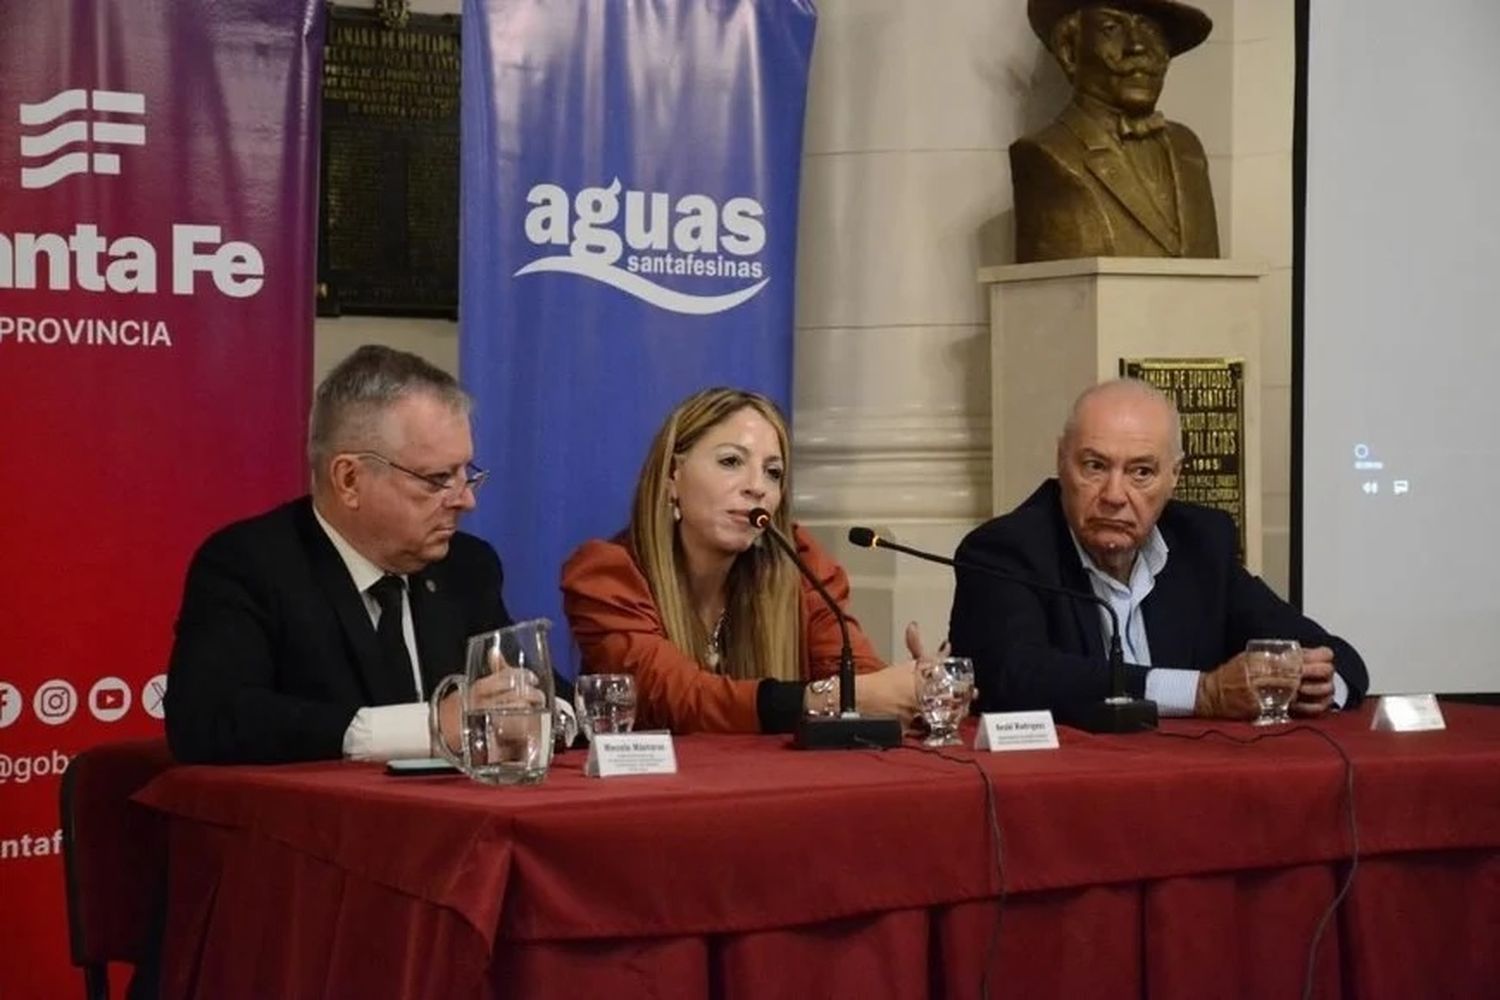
x,y
763,598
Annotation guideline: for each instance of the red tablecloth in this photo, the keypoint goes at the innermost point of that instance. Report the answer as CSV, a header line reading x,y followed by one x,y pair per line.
x,y
1144,864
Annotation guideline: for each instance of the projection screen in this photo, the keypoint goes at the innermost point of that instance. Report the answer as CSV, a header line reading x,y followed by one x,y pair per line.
x,y
1400,337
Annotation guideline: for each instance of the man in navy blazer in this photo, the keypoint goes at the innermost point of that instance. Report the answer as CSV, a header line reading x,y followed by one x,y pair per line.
x,y
314,630
1107,525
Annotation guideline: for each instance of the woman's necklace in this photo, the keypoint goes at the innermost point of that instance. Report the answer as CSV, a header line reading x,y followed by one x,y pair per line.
x,y
716,643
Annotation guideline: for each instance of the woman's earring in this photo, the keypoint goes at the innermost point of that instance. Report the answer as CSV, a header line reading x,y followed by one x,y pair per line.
x,y
676,511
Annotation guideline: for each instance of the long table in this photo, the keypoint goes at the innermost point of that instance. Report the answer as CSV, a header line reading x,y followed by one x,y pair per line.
x,y
1182,863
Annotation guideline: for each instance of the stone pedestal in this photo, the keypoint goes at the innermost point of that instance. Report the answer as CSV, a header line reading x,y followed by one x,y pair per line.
x,y
1057,327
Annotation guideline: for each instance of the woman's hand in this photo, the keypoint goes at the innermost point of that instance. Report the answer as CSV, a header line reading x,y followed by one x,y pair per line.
x,y
892,691
920,655
914,644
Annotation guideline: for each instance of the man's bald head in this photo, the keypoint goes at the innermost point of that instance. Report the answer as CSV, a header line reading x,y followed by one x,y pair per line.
x,y
1131,392
1117,465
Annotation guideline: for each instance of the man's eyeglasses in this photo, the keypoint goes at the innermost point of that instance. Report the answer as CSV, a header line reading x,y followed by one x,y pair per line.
x,y
449,483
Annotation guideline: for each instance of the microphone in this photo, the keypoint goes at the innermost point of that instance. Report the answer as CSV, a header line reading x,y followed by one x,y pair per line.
x,y
1119,713
849,729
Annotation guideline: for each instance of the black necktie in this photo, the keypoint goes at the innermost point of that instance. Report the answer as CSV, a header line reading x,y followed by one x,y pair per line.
x,y
387,592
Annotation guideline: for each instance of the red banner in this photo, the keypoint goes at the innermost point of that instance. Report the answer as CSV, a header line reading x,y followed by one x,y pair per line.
x,y
158,181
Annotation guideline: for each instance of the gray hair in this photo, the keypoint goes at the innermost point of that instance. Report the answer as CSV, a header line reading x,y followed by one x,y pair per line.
x,y
355,395
1140,389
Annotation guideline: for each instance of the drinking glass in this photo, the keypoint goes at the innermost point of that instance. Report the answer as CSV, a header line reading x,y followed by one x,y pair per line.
x,y
1273,668
944,689
505,706
605,703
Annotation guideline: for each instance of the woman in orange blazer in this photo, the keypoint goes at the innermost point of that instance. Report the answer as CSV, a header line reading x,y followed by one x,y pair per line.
x,y
719,629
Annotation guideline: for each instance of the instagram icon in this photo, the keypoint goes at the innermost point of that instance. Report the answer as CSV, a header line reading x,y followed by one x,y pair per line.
x,y
55,702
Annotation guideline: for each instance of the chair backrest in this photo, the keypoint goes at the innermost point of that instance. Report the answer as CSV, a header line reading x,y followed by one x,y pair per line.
x,y
114,858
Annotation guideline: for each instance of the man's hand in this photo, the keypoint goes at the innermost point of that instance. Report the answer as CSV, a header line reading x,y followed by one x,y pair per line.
x,y
1225,693
507,686
448,721
1315,693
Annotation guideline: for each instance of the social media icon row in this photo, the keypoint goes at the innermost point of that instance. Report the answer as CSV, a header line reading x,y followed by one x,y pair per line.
x,y
56,701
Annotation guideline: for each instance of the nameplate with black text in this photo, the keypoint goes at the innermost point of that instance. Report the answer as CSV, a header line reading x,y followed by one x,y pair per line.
x,y
615,754
1408,713
1016,731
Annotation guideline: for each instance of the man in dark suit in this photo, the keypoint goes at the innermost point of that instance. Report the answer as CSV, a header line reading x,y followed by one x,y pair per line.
x,y
314,630
1111,177
1107,525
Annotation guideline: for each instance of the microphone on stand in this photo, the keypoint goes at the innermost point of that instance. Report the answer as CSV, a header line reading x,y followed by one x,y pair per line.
x,y
1119,713
849,729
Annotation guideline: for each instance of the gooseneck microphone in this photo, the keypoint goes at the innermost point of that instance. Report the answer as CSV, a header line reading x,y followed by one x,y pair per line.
x,y
849,729
761,518
865,538
1119,713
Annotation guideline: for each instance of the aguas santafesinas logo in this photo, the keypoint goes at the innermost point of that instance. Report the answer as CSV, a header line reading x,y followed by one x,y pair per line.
x,y
690,241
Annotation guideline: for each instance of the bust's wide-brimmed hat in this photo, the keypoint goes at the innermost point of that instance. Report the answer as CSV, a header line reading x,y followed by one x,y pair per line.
x,y
1183,26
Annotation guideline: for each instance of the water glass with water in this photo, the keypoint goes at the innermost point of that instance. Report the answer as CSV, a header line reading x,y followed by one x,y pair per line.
x,y
1273,668
945,687
605,703
505,707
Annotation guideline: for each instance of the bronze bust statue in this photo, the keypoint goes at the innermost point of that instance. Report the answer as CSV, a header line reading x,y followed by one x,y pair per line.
x,y
1111,177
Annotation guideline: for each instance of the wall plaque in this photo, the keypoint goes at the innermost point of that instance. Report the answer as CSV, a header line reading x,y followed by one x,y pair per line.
x,y
388,215
1209,393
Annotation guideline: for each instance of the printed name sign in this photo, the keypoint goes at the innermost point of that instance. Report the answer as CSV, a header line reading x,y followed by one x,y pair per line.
x,y
614,754
1016,731
1408,713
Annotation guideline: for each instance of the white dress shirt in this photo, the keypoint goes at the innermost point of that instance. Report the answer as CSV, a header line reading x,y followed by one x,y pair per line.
x,y
382,732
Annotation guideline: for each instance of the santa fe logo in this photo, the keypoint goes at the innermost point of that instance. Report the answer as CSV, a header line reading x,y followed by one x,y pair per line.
x,y
46,158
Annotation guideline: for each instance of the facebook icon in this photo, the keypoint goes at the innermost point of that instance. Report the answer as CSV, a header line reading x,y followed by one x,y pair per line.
x,y
10,704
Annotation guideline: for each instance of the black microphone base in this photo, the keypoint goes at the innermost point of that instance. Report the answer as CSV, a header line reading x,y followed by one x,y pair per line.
x,y
1113,715
857,732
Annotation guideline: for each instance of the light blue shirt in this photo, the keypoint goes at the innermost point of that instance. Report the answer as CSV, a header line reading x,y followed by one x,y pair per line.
x,y
1174,691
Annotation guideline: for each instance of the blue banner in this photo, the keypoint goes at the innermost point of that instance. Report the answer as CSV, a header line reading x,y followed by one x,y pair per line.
x,y
629,178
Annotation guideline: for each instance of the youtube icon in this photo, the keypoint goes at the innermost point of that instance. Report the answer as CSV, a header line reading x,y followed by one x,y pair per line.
x,y
109,699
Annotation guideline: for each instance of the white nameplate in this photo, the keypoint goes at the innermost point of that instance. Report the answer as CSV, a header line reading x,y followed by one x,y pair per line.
x,y
1408,713
1016,731
614,754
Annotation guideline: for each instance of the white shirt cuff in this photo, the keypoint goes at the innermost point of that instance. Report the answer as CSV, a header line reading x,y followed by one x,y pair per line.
x,y
387,732
567,720
1174,691
1340,692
